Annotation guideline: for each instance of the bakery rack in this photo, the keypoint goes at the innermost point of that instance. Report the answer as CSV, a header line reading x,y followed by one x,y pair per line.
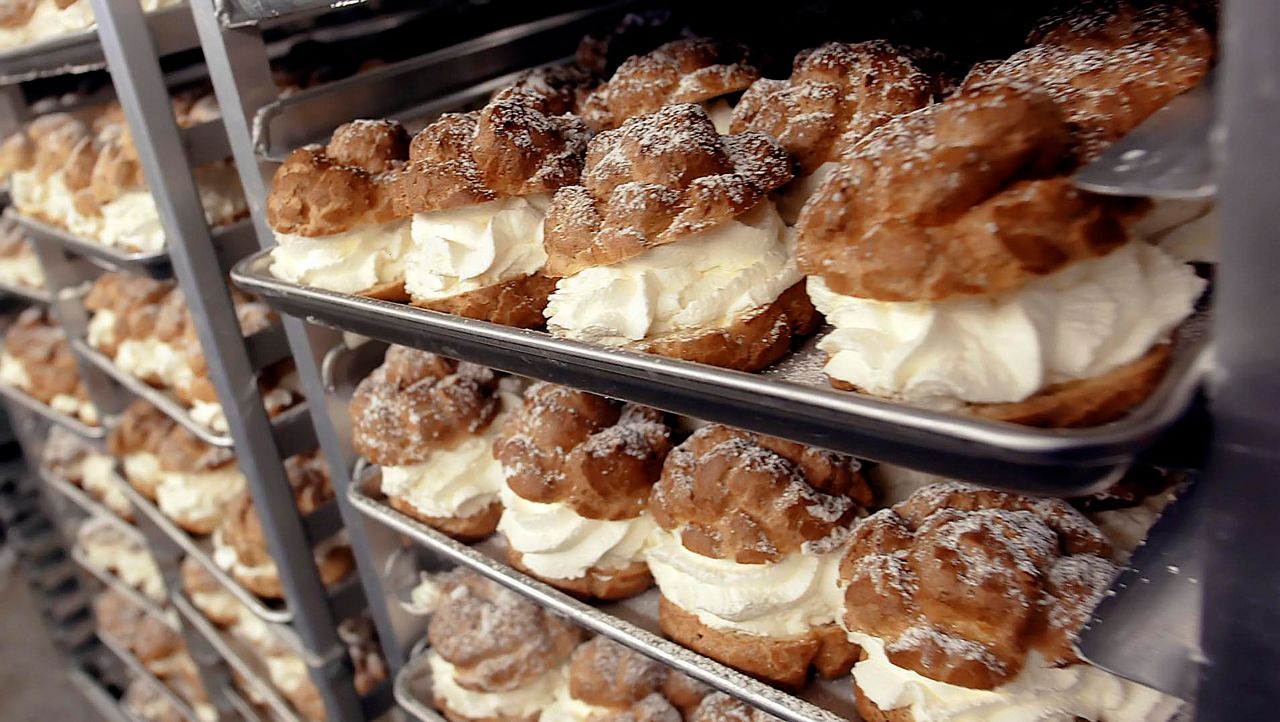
x,y
1196,592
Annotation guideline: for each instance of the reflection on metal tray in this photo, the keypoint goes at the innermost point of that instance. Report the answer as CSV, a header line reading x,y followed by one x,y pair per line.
x,y
140,600
239,657
90,505
32,404
632,622
34,295
790,400
135,666
289,423
444,80
172,30
234,240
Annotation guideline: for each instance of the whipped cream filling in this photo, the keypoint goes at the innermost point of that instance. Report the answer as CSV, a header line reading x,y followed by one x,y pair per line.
x,y
22,270
288,672
218,604
143,467
210,415
454,483
13,373
792,198
198,497
567,708
153,360
28,192
557,543
424,597
1080,322
225,557
1039,693
132,222
109,549
520,702
705,280
720,112
48,21
98,478
75,407
350,262
465,249
101,330
781,599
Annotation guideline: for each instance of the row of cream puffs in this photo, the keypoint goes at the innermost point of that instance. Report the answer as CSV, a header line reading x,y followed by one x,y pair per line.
x,y
37,360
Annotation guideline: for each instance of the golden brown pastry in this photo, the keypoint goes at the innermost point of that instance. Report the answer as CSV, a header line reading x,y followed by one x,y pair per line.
x,y
477,185
70,457
37,360
197,481
720,707
956,262
610,682
751,532
136,440
331,210
240,548
689,70
578,471
430,423
495,655
670,210
959,589
208,596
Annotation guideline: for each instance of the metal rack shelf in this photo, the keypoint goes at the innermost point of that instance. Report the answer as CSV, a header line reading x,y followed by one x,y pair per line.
x,y
233,241
106,705
292,427
80,52
632,622
38,296
81,499
44,411
413,685
139,669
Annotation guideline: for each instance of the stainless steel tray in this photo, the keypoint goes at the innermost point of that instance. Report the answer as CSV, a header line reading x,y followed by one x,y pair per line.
x,y
110,708
81,498
30,403
239,658
234,241
241,706
413,687
147,604
791,399
172,29
33,295
423,86
136,667
289,423
632,622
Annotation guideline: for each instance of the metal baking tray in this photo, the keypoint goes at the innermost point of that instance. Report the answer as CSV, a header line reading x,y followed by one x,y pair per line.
x,y
34,295
172,30
291,423
84,501
136,667
32,404
110,708
234,241
791,399
147,604
239,657
632,622
413,688
424,86
241,705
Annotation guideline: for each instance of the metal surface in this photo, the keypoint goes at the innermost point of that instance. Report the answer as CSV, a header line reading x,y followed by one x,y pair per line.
x,y
135,665
239,657
80,52
1170,156
242,706
131,53
1148,630
791,400
88,504
30,403
294,421
413,688
233,240
109,707
632,622
140,600
262,9
416,87
26,293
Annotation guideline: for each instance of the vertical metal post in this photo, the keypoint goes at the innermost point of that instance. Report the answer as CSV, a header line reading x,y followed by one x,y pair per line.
x,y
241,75
131,57
1242,480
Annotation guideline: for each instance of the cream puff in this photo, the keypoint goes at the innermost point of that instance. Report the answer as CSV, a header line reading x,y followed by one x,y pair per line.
x,y
68,456
720,707
430,423
136,440
112,549
37,360
837,93
477,186
495,656
197,481
610,682
19,266
966,603
672,246
689,70
26,22
1008,294
146,703
579,469
64,153
240,548
751,531
209,597
330,208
